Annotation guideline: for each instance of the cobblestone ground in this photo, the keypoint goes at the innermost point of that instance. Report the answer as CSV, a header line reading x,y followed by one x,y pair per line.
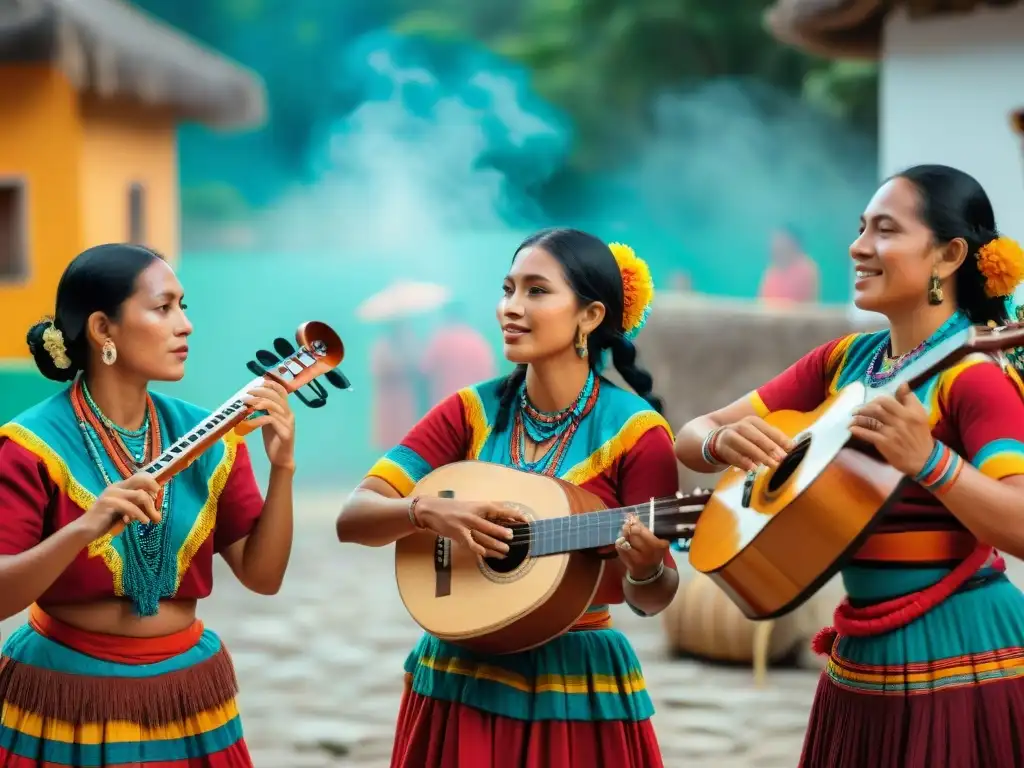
x,y
320,667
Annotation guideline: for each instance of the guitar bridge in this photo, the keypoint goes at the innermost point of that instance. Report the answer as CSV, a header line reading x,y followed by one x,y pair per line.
x,y
748,488
443,559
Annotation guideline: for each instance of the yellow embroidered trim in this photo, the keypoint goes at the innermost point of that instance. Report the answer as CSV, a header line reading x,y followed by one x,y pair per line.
x,y
111,733
760,409
207,517
58,471
1002,465
837,361
567,684
1016,379
392,474
476,421
602,459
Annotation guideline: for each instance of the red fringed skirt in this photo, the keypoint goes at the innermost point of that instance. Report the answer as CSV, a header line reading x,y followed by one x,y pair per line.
x,y
579,701
75,698
946,691
441,734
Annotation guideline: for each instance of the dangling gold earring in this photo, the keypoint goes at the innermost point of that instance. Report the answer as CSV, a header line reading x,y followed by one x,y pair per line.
x,y
935,296
581,345
109,352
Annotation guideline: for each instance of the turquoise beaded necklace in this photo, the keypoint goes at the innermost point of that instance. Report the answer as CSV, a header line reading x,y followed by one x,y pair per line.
x,y
882,368
150,571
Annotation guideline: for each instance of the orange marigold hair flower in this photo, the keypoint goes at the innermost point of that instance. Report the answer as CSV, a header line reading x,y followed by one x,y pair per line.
x,y
1001,263
637,289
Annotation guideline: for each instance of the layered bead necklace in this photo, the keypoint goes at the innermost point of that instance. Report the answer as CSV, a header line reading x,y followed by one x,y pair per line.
x,y
147,575
543,426
883,368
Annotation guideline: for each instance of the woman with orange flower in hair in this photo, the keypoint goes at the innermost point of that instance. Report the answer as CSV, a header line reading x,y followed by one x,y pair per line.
x,y
926,665
579,700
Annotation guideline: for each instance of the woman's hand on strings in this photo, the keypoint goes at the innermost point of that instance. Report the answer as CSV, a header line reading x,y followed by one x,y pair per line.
x,y
898,428
130,500
640,550
277,421
752,442
474,524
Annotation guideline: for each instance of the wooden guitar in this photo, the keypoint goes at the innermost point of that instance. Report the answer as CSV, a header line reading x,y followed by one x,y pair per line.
x,y
551,573
772,538
320,350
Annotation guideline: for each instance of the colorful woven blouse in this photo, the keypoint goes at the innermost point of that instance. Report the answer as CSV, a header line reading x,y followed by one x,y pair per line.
x,y
975,407
48,479
622,451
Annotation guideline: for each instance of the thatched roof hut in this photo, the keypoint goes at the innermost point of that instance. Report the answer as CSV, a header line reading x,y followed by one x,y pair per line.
x,y
114,50
842,29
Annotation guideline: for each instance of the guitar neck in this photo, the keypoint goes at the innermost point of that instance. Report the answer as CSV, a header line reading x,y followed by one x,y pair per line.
x,y
592,530
180,454
938,358
320,350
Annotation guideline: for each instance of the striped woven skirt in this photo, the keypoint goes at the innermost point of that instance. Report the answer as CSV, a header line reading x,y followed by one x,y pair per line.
x,y
76,698
946,691
578,701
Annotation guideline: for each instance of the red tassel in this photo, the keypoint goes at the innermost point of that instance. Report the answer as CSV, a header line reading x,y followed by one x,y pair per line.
x,y
824,640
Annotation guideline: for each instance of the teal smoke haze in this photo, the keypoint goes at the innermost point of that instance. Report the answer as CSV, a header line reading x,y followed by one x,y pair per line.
x,y
430,170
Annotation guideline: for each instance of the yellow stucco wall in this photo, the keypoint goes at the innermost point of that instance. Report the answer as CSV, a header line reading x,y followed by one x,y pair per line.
x,y
41,140
127,144
79,157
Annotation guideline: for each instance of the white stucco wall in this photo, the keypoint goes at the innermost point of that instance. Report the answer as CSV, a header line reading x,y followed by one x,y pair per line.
x,y
948,86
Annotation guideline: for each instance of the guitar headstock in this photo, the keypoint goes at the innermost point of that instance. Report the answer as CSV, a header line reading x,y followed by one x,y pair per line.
x,y
1008,339
676,516
995,338
319,352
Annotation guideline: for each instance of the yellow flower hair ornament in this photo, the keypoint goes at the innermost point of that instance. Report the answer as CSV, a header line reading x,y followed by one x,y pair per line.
x,y
53,343
637,289
1001,263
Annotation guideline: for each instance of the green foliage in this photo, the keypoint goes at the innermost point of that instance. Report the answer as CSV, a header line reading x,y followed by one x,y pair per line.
x,y
605,62
847,90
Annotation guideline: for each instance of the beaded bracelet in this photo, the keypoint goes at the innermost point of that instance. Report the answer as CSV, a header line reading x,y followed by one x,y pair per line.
x,y
707,448
941,470
412,514
650,579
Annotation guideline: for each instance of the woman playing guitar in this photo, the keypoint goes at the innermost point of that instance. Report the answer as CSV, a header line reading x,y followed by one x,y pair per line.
x,y
927,668
579,700
113,667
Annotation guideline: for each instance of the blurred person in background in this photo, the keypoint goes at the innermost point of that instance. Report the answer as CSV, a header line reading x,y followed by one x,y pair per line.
x,y
456,356
579,700
399,387
113,668
926,665
792,275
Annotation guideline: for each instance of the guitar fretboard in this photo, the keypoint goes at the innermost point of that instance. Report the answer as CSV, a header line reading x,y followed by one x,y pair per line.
x,y
591,530
216,422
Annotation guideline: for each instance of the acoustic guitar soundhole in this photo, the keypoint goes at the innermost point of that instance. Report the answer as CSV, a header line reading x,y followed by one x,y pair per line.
x,y
788,465
518,551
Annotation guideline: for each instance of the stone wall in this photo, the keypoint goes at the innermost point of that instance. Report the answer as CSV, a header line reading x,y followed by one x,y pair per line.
x,y
705,352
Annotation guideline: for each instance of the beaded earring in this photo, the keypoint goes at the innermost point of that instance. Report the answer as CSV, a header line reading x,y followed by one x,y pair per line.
x,y
109,352
935,295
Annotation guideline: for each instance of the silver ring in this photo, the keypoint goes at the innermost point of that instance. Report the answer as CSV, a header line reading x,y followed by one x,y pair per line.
x,y
623,544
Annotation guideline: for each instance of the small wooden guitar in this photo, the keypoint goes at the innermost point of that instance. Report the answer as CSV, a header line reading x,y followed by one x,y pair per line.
x,y
772,538
320,350
551,573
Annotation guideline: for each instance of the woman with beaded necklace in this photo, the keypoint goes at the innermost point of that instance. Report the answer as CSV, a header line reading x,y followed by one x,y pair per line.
x,y
579,700
113,668
925,668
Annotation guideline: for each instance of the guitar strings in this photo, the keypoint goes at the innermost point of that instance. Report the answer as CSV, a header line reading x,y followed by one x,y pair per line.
x,y
583,522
